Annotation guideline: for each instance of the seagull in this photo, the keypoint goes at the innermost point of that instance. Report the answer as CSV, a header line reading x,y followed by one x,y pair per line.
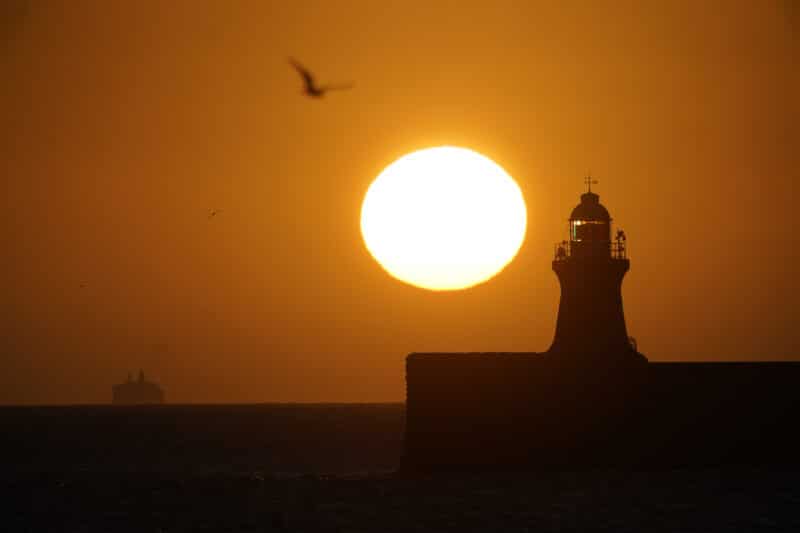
x,y
311,88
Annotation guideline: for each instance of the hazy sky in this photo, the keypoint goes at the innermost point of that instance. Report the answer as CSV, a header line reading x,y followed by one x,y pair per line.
x,y
125,123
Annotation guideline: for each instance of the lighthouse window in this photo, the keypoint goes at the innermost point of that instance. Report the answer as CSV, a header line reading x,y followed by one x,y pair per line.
x,y
574,233
589,230
584,232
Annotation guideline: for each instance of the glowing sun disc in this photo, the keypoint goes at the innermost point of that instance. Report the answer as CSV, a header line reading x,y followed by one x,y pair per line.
x,y
443,218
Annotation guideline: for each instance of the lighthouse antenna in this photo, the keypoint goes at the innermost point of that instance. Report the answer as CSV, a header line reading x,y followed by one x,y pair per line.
x,y
589,181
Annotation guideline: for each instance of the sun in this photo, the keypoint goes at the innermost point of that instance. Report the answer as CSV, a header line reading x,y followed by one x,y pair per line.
x,y
443,218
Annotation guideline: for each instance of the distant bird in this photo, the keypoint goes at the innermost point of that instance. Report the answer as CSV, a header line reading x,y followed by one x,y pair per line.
x,y
310,85
214,213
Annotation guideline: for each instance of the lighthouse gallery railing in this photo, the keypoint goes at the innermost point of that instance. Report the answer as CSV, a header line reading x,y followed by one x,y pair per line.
x,y
564,250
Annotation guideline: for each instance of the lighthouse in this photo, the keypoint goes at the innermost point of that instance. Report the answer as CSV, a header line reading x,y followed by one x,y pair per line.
x,y
592,400
590,266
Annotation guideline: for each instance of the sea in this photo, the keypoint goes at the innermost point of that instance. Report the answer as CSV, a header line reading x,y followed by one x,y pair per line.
x,y
332,467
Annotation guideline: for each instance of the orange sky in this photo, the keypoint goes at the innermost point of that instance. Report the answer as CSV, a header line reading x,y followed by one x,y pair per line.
x,y
126,123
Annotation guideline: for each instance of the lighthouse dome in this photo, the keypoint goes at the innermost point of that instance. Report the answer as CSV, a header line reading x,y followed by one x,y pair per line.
x,y
590,208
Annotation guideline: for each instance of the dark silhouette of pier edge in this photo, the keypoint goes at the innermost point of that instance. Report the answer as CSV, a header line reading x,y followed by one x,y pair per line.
x,y
593,400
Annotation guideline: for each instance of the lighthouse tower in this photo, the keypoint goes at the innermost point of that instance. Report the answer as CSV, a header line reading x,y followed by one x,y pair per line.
x,y
590,267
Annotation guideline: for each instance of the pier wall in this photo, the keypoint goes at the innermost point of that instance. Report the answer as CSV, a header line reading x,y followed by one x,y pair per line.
x,y
526,410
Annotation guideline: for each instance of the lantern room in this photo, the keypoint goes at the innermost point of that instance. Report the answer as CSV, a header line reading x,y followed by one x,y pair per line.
x,y
590,221
590,231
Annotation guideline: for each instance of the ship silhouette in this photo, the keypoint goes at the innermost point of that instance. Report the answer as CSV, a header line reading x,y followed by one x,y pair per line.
x,y
137,392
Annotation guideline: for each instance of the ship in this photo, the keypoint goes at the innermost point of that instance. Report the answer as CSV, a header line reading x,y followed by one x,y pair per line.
x,y
138,392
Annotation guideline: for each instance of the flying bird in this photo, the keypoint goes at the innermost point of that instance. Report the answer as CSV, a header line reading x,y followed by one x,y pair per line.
x,y
310,85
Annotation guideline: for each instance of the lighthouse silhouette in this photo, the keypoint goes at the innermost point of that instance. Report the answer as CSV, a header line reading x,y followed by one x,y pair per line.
x,y
592,400
590,267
